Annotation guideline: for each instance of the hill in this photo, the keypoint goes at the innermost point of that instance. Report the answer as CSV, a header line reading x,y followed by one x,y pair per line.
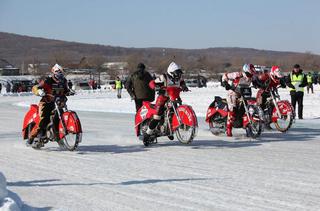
x,y
18,49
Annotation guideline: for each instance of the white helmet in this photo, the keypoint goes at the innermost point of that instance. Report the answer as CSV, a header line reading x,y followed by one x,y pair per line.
x,y
249,69
57,71
174,71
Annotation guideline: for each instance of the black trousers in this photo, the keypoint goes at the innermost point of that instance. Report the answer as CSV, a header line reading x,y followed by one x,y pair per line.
x,y
310,86
138,103
297,97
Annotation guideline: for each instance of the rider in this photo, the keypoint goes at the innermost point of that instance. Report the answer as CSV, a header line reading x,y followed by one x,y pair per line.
x,y
266,82
49,88
238,78
173,78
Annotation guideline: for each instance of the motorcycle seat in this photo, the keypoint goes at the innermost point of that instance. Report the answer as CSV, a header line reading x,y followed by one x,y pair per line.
x,y
147,103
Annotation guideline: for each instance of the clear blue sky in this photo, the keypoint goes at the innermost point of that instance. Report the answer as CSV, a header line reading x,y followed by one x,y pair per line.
x,y
284,25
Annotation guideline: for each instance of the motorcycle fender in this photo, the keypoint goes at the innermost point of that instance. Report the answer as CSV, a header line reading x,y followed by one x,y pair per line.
x,y
32,116
72,123
144,113
284,107
245,121
187,116
252,102
210,112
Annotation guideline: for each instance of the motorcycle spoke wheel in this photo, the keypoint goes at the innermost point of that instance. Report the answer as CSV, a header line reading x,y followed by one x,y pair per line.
x,y
254,128
217,128
284,123
185,133
70,141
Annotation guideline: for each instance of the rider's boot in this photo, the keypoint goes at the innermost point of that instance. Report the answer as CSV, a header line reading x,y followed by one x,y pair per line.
x,y
29,141
38,140
230,121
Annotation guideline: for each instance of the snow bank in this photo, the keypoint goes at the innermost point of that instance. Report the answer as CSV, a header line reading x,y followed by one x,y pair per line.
x,y
6,201
198,98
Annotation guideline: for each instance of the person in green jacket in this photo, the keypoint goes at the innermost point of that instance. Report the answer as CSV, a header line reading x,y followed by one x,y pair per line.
x,y
296,81
118,84
310,82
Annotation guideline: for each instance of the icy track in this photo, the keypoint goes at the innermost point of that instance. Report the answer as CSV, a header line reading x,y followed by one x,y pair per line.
x,y
113,171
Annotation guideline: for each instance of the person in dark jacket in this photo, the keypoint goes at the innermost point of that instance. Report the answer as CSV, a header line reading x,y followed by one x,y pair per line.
x,y
296,81
138,88
70,84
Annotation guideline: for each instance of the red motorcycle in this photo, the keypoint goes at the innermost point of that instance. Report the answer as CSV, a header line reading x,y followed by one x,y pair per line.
x,y
249,116
178,118
64,127
279,112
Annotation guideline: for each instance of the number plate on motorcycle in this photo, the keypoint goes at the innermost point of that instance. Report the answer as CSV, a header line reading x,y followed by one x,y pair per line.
x,y
143,112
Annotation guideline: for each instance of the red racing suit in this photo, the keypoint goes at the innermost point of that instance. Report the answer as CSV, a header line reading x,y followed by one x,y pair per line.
x,y
161,83
52,88
265,85
237,78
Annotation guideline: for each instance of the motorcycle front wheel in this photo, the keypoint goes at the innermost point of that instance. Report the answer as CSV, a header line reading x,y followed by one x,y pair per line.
x,y
284,122
217,125
185,133
254,128
70,141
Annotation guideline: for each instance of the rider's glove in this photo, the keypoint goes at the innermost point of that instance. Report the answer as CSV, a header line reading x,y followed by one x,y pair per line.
x,y
226,85
41,93
185,89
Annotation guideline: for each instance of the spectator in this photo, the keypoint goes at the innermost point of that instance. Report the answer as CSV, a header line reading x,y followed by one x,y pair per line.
x,y
138,88
70,84
0,87
8,87
310,82
118,84
296,81
315,77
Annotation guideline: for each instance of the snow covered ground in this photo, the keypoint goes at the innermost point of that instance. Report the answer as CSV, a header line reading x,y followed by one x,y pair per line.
x,y
7,203
113,171
198,98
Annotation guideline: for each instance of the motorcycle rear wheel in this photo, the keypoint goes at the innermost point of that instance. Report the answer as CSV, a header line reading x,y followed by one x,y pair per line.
x,y
143,136
29,129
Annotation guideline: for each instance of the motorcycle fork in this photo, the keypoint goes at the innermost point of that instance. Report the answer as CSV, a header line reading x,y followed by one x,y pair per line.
x,y
168,121
61,119
177,114
276,105
246,109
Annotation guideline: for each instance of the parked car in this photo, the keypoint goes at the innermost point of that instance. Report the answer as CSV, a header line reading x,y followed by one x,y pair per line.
x,y
199,82
83,85
191,82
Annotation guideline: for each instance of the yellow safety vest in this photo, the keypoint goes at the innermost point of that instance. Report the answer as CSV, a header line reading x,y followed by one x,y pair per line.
x,y
118,85
309,79
296,81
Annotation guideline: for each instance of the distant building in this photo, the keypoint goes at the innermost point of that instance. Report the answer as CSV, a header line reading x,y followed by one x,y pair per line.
x,y
7,69
39,68
115,65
